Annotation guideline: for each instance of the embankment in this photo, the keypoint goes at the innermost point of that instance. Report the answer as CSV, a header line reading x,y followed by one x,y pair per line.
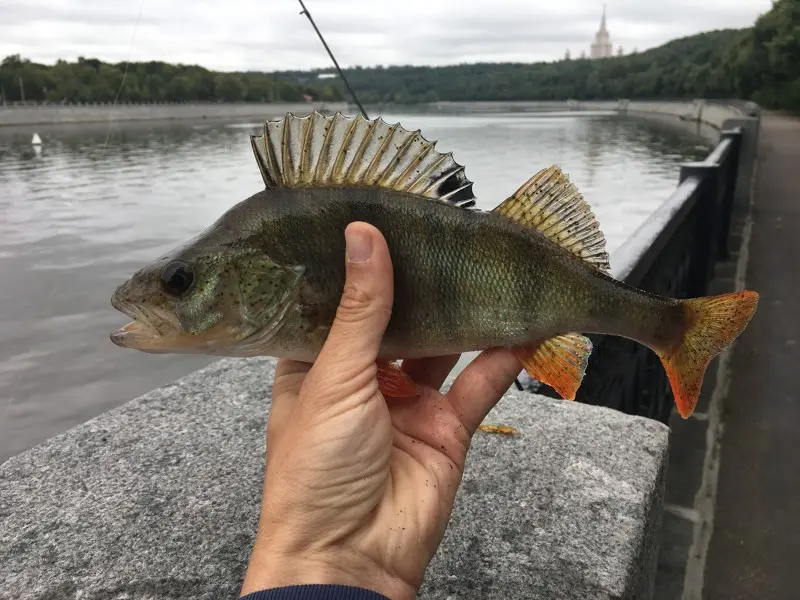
x,y
99,113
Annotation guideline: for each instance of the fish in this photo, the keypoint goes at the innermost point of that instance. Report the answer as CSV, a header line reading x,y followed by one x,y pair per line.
x,y
531,275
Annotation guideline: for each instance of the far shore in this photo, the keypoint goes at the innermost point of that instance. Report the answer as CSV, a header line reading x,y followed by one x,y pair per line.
x,y
55,114
104,113
684,114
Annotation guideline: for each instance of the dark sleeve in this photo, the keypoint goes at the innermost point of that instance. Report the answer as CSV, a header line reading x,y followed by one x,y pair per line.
x,y
315,592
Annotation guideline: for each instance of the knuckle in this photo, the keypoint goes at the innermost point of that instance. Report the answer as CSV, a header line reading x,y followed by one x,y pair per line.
x,y
356,296
359,302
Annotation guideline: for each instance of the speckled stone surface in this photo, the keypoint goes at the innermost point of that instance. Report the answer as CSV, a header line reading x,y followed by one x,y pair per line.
x,y
159,499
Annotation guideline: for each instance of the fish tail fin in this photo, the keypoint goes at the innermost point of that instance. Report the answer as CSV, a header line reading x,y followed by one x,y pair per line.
x,y
711,324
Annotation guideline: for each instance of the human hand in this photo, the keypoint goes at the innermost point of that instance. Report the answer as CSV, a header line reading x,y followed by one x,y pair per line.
x,y
358,489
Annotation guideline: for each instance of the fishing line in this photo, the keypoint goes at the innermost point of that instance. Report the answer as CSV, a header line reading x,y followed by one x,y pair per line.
x,y
125,72
333,58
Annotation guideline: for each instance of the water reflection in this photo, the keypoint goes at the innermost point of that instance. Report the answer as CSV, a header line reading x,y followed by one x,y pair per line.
x,y
99,200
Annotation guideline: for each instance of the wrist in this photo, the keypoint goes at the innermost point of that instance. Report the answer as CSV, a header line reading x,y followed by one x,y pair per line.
x,y
270,569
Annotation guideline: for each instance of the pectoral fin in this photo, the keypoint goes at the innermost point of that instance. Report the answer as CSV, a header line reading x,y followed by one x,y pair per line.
x,y
393,382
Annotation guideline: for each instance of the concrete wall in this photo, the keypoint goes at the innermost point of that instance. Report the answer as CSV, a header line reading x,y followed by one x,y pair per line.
x,y
159,498
708,119
713,114
718,116
506,106
38,115
709,113
695,111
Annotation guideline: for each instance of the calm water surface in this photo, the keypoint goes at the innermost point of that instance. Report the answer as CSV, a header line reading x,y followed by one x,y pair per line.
x,y
98,201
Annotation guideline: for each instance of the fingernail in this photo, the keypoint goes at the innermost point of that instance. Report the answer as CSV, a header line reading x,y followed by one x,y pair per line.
x,y
359,245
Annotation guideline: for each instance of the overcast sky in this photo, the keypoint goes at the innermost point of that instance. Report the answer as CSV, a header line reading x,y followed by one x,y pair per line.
x,y
271,35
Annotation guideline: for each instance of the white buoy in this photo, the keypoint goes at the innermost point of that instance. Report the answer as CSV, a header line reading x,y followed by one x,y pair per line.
x,y
36,141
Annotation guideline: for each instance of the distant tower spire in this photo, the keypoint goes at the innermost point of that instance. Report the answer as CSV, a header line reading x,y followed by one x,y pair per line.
x,y
602,47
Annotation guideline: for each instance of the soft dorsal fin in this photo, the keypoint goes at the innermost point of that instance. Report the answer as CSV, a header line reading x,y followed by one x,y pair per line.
x,y
334,150
549,202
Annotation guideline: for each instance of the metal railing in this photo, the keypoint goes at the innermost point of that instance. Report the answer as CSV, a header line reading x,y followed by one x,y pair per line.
x,y
674,254
18,104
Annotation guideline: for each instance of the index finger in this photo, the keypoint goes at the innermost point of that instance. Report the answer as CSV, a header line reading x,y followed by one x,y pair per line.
x,y
479,387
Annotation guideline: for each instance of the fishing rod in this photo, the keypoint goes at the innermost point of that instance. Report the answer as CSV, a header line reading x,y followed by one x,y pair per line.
x,y
353,94
333,58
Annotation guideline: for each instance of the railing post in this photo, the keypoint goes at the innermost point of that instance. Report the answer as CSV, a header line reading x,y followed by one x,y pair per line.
x,y
746,157
731,170
708,222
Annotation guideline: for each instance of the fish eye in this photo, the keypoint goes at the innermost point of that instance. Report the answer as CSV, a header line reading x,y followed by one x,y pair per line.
x,y
177,278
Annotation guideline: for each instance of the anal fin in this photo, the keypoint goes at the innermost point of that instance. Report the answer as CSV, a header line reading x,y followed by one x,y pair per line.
x,y
393,382
559,361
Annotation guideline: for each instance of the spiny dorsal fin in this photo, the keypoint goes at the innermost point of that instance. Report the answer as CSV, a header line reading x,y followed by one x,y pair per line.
x,y
335,150
549,202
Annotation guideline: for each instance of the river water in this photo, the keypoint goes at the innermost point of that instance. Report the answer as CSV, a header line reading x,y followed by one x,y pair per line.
x,y
98,201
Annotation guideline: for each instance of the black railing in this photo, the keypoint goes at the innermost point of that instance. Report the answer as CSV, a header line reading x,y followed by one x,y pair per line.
x,y
674,254
45,104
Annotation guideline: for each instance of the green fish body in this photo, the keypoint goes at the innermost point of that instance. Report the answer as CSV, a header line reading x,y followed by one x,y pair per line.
x,y
531,275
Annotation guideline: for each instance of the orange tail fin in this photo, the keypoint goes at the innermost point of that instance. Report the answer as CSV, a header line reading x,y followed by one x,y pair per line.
x,y
712,323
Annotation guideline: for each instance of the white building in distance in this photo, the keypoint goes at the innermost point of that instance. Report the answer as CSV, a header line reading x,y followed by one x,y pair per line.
x,y
602,47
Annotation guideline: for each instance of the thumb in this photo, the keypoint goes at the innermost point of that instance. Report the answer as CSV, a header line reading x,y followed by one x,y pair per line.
x,y
364,310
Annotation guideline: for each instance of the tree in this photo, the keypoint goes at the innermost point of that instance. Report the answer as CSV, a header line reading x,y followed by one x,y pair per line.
x,y
91,80
229,87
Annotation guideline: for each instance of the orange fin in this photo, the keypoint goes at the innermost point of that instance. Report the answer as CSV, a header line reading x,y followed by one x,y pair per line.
x,y
559,361
502,429
393,382
712,323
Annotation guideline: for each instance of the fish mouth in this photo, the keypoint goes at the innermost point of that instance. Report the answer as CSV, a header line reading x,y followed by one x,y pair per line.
x,y
139,334
156,331
130,335
153,331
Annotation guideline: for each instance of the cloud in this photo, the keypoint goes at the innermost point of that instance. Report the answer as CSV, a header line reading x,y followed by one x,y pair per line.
x,y
258,35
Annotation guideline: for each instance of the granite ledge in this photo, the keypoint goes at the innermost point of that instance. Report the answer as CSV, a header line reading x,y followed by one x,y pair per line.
x,y
159,499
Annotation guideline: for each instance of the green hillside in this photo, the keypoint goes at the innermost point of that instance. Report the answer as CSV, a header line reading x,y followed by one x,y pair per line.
x,y
681,68
760,63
